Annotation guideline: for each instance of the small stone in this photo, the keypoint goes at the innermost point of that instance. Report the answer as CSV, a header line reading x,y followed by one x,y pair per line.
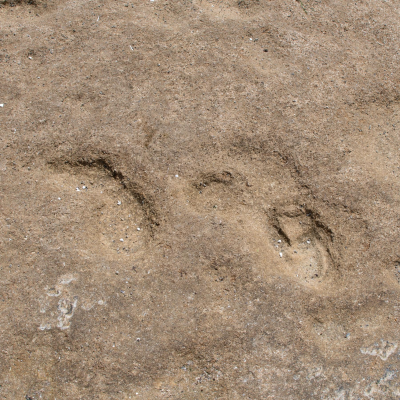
x,y
280,255
121,240
138,229
119,202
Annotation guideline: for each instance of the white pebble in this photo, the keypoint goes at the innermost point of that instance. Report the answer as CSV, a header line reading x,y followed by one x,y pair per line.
x,y
59,198
1,105
121,240
84,187
280,255
77,189
176,176
138,229
279,241
308,241
119,203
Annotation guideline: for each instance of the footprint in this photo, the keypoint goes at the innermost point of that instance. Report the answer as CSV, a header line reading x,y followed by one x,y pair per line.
x,y
293,240
119,218
216,191
304,244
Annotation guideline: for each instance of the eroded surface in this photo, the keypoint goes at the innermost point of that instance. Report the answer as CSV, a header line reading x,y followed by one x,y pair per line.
x,y
199,200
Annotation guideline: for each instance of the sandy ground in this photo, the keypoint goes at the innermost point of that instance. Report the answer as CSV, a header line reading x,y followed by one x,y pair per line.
x,y
199,199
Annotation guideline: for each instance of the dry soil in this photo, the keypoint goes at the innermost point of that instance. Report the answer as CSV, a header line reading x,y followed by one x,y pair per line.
x,y
199,199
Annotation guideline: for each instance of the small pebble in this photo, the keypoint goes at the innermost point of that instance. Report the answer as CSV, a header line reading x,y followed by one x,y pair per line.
x,y
308,241
280,255
138,229
279,241
121,240
77,189
1,105
176,176
119,203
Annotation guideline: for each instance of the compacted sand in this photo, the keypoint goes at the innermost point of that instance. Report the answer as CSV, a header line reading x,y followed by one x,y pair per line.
x,y
199,199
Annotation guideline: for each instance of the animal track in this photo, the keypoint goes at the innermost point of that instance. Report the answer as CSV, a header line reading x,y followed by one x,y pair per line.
x,y
217,190
300,244
224,177
305,243
119,216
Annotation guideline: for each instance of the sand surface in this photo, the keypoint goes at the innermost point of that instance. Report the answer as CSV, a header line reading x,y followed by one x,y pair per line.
x,y
199,199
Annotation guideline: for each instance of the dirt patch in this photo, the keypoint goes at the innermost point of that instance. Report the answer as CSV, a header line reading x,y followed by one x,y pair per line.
x,y
199,199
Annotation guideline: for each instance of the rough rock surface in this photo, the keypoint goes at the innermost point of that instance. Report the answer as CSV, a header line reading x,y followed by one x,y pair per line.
x,y
199,199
